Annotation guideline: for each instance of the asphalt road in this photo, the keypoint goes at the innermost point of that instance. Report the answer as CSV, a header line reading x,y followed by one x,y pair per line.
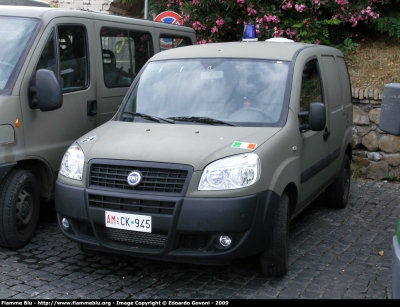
x,y
334,254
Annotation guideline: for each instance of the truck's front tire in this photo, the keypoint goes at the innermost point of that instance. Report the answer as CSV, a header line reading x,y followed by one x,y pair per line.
x,y
19,208
275,260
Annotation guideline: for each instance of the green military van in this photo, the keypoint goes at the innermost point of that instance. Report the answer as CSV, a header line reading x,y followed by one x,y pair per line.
x,y
214,150
62,73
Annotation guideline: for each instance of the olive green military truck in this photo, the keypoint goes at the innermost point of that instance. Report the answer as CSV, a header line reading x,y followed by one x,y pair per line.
x,y
62,73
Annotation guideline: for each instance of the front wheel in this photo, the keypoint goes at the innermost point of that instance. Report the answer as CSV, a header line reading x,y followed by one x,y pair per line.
x,y
20,206
275,260
337,193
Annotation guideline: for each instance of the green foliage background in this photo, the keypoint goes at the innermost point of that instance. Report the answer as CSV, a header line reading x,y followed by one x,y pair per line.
x,y
331,22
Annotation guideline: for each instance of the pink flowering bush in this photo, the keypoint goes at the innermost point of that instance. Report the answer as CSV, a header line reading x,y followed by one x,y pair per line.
x,y
328,22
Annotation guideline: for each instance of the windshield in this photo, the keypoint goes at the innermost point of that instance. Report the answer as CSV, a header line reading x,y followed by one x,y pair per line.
x,y
15,35
237,92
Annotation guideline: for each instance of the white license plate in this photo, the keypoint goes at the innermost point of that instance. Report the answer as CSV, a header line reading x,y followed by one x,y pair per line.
x,y
126,221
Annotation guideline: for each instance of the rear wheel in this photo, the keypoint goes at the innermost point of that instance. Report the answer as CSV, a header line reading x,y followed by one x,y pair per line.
x,y
337,193
275,260
20,206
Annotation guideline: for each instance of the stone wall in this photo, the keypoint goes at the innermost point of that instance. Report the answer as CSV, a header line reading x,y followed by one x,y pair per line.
x,y
92,5
376,154
105,6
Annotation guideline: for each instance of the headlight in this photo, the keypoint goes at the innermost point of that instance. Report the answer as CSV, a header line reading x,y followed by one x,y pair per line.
x,y
231,173
72,162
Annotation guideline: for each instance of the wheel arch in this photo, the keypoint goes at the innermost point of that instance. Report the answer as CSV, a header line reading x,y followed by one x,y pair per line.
x,y
42,173
349,152
292,192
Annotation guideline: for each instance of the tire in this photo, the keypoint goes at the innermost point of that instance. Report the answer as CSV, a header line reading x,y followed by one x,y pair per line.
x,y
275,260
19,208
337,194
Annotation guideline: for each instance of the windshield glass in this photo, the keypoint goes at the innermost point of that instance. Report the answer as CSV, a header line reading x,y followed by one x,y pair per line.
x,y
242,92
15,35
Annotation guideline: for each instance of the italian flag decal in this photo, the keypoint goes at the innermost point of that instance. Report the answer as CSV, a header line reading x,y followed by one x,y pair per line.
x,y
244,145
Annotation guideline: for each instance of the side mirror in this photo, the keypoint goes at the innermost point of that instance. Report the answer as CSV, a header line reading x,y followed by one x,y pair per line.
x,y
390,109
47,94
316,116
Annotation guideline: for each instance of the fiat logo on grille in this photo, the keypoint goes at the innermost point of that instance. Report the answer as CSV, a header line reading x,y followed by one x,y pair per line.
x,y
134,178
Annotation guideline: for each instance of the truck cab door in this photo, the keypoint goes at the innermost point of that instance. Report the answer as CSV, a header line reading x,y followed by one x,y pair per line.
x,y
66,48
124,48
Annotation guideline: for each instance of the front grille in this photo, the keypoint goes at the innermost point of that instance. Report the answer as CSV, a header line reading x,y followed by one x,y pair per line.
x,y
139,239
131,205
84,228
155,179
193,241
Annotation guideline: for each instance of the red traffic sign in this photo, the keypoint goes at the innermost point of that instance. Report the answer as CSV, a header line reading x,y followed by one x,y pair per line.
x,y
168,17
172,18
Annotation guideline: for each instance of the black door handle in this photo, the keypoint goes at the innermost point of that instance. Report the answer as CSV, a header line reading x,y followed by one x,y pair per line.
x,y
326,134
91,107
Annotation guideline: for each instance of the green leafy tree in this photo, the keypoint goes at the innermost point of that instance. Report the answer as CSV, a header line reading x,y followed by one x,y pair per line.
x,y
330,22
389,22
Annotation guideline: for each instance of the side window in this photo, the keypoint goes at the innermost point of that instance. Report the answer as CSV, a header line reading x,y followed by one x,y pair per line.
x,y
311,89
344,79
69,62
73,60
168,42
124,54
47,58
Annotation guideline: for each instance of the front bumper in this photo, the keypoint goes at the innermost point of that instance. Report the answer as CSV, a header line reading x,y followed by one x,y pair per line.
x,y
396,268
184,229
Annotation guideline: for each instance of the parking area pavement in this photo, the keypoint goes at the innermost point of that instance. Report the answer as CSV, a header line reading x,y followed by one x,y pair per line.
x,y
334,254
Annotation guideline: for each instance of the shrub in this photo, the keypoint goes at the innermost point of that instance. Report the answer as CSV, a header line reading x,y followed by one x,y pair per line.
x,y
330,22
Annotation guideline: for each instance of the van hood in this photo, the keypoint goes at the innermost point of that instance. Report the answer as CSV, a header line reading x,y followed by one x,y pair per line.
x,y
195,145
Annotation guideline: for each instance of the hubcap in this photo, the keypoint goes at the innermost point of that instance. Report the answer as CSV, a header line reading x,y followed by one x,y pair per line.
x,y
23,208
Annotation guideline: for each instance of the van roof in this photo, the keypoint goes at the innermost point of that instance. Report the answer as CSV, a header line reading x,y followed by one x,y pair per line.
x,y
24,11
48,13
25,3
273,50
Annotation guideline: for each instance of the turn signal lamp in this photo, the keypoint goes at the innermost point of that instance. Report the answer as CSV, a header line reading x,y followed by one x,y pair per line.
x,y
249,33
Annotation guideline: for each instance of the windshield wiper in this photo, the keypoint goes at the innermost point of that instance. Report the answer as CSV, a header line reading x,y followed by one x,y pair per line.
x,y
150,117
196,119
